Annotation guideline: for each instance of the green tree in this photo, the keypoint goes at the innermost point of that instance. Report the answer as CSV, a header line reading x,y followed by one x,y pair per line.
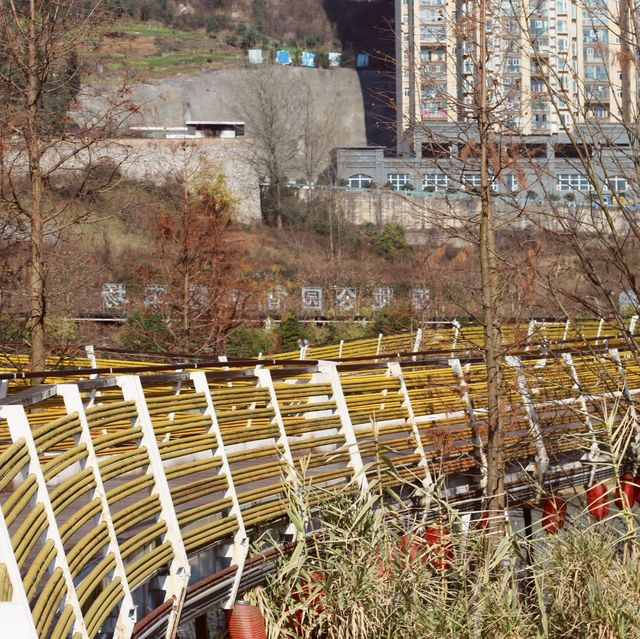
x,y
145,331
245,341
393,318
392,240
290,331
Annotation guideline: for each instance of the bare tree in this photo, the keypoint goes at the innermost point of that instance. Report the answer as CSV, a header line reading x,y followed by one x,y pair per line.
x,y
197,274
39,137
293,133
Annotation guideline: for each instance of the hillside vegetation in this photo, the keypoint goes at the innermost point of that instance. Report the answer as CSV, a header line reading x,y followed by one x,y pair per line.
x,y
156,38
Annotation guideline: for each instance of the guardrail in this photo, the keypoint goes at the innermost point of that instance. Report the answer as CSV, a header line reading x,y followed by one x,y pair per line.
x,y
129,501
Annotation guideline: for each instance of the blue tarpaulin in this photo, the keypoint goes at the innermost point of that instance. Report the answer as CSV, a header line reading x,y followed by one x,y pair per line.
x,y
308,59
362,60
283,56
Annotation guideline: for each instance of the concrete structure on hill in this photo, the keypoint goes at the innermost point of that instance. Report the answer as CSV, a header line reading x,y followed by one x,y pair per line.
x,y
188,109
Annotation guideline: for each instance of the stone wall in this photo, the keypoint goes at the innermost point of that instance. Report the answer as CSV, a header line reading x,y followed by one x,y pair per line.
x,y
159,160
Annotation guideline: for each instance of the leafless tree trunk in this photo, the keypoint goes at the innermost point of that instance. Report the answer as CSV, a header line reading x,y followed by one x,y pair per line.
x,y
489,280
38,43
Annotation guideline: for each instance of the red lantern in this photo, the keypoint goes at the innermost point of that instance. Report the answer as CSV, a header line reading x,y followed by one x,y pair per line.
x,y
302,595
597,501
245,622
411,547
554,514
626,491
439,551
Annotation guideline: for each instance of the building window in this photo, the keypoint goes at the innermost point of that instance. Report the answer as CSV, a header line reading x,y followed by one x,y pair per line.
x,y
617,184
397,180
359,181
537,85
540,121
434,110
600,112
513,65
573,182
561,6
435,182
561,26
471,180
511,182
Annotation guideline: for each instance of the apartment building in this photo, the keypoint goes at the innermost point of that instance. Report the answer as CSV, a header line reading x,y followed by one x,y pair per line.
x,y
551,64
558,72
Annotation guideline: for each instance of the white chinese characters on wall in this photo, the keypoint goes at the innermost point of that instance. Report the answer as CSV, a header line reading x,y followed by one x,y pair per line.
x,y
312,299
343,299
154,294
114,296
347,299
276,298
382,296
420,298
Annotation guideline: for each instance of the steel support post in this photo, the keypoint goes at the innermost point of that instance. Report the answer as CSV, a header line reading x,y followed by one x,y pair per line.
x,y
20,429
427,481
615,355
530,332
15,612
600,325
463,390
237,551
455,335
91,356
594,450
330,374
175,584
542,458
73,404
282,442
417,342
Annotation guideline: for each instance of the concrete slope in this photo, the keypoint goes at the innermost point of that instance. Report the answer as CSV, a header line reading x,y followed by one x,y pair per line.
x,y
218,95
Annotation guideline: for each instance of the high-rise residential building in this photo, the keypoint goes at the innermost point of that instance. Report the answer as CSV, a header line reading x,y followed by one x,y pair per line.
x,y
551,64
562,86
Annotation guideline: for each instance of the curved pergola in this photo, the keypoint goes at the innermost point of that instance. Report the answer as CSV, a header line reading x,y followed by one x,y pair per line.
x,y
130,493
